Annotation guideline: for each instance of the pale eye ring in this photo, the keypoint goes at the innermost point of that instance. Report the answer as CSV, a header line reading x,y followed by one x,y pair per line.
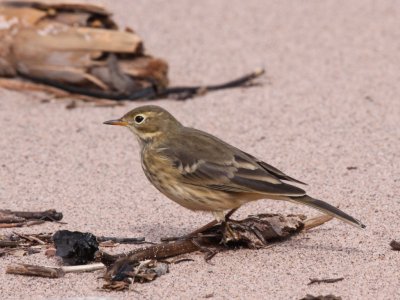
x,y
139,119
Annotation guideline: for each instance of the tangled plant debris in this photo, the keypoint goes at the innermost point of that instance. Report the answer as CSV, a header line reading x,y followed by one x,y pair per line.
x,y
147,263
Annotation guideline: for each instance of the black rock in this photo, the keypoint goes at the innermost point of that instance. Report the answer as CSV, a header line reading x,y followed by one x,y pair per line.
x,y
74,247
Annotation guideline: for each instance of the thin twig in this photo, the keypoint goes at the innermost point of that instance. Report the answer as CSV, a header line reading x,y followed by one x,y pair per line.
x,y
327,280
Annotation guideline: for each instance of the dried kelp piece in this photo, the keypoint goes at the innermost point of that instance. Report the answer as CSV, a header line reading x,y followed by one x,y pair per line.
x,y
75,46
78,48
395,245
75,247
321,297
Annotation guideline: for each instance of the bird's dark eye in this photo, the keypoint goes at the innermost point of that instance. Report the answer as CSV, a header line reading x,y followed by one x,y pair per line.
x,y
139,119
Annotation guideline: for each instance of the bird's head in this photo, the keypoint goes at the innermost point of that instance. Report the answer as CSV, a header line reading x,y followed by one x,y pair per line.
x,y
147,122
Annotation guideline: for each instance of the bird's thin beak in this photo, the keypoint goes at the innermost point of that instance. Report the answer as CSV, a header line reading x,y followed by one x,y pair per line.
x,y
118,122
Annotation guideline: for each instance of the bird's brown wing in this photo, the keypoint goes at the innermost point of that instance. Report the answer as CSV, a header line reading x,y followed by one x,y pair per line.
x,y
274,171
204,160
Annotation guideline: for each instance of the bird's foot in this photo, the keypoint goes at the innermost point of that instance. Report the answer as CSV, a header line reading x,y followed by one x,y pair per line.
x,y
228,233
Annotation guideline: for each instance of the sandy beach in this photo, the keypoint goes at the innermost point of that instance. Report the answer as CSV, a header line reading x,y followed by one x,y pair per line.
x,y
327,112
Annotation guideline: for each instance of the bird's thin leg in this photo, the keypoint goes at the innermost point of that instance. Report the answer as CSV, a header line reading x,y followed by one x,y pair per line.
x,y
230,213
212,223
219,217
192,234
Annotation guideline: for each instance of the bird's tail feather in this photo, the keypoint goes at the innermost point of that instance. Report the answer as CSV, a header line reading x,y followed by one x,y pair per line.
x,y
328,209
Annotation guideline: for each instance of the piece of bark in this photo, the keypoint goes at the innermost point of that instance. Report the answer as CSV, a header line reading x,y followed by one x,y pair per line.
x,y
395,245
325,280
32,270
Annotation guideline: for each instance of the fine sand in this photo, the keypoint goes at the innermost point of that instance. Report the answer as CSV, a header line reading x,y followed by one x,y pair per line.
x,y
330,100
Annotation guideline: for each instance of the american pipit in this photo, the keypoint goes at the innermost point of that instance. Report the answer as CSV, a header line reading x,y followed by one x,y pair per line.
x,y
201,172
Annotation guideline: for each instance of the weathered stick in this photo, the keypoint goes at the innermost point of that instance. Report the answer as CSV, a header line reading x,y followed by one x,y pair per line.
x,y
32,270
48,215
51,272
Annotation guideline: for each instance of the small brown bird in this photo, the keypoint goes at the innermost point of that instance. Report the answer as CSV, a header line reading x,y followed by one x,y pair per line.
x,y
201,172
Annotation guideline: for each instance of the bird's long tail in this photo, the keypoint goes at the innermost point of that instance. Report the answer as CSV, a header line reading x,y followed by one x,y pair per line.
x,y
328,209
